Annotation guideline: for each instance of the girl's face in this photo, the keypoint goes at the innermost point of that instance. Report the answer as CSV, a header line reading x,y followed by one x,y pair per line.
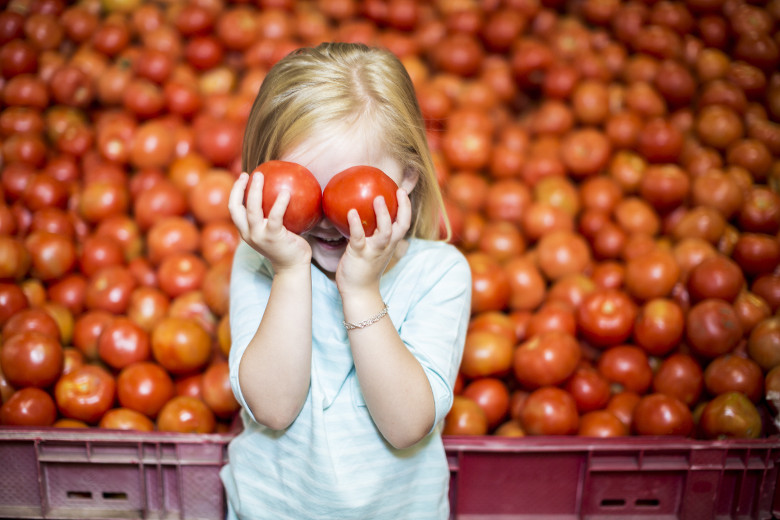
x,y
327,153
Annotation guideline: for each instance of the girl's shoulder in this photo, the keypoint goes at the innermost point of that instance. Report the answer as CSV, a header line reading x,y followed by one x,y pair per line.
x,y
429,257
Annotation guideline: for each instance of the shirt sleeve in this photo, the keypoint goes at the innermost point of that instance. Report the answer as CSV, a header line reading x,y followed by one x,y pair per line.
x,y
434,328
250,287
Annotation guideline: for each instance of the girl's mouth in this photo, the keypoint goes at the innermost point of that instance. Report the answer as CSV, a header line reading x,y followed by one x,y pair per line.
x,y
332,243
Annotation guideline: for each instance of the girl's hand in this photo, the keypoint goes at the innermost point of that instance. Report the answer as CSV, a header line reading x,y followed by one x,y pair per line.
x,y
266,233
366,258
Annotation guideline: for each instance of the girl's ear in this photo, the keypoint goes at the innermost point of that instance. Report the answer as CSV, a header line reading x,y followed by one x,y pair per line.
x,y
409,179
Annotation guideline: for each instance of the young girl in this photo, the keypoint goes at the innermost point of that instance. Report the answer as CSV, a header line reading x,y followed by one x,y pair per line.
x,y
345,349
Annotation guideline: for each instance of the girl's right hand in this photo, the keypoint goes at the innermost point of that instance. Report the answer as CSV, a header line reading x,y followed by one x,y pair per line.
x,y
266,233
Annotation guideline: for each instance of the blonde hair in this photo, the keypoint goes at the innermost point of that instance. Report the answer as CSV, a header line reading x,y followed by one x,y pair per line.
x,y
335,83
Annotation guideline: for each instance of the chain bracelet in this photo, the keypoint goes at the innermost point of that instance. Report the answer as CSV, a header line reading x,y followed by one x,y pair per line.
x,y
365,323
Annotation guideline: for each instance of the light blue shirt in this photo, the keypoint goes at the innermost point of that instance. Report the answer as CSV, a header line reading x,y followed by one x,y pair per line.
x,y
332,462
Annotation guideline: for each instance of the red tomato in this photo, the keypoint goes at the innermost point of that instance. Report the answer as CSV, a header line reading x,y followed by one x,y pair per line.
x,y
357,187
180,345
29,407
730,416
186,415
86,393
31,359
733,373
590,389
680,376
622,404
601,423
305,207
145,387
659,414
550,411
465,418
606,317
486,354
628,366
492,395
216,391
546,359
123,342
126,419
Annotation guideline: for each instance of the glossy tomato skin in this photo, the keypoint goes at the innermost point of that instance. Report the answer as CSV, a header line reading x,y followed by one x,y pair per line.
x,y
546,359
29,407
465,418
550,411
305,207
601,423
659,414
31,359
217,392
357,187
144,387
186,415
85,394
492,395
730,416
126,419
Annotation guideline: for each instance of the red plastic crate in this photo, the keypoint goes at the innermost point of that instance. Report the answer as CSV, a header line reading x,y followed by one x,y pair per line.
x,y
56,473
627,478
90,474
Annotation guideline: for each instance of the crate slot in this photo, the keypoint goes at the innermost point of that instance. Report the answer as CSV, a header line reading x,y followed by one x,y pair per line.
x,y
79,495
647,502
612,502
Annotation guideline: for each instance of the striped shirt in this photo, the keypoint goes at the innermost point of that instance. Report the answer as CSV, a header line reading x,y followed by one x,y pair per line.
x,y
332,462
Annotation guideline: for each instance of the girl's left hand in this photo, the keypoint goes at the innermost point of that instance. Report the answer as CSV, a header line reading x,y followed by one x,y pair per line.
x,y
366,258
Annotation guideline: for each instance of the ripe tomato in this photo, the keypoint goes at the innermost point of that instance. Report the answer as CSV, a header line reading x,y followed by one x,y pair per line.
x,y
606,317
357,187
145,387
712,328
764,343
186,414
123,342
486,354
125,419
680,376
659,414
305,207
733,373
29,407
86,393
31,358
550,411
465,418
601,423
730,416
628,366
491,288
180,345
492,395
31,319
590,389
659,326
87,330
546,359
216,391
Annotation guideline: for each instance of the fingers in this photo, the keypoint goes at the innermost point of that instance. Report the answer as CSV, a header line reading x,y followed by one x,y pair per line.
x,y
357,235
254,199
236,204
276,215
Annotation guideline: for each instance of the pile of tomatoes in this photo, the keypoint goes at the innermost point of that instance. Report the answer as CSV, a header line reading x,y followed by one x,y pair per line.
x,y
610,169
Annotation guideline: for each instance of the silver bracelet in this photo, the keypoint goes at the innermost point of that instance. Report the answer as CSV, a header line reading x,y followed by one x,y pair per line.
x,y
365,323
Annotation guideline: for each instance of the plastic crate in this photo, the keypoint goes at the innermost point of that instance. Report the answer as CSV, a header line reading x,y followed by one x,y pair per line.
x,y
57,473
627,478
91,474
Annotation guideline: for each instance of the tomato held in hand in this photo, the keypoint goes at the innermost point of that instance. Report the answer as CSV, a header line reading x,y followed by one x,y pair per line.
x,y
357,187
305,207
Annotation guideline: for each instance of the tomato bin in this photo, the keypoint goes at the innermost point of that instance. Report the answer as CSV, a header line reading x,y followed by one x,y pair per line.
x,y
610,169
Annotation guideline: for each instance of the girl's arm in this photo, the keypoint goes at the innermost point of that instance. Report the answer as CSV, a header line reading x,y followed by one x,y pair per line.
x,y
394,385
275,368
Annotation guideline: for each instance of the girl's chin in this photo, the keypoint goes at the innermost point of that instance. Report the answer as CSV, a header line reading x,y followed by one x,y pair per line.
x,y
328,253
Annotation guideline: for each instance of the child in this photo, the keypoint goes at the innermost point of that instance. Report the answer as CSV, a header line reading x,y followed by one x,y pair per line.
x,y
345,349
